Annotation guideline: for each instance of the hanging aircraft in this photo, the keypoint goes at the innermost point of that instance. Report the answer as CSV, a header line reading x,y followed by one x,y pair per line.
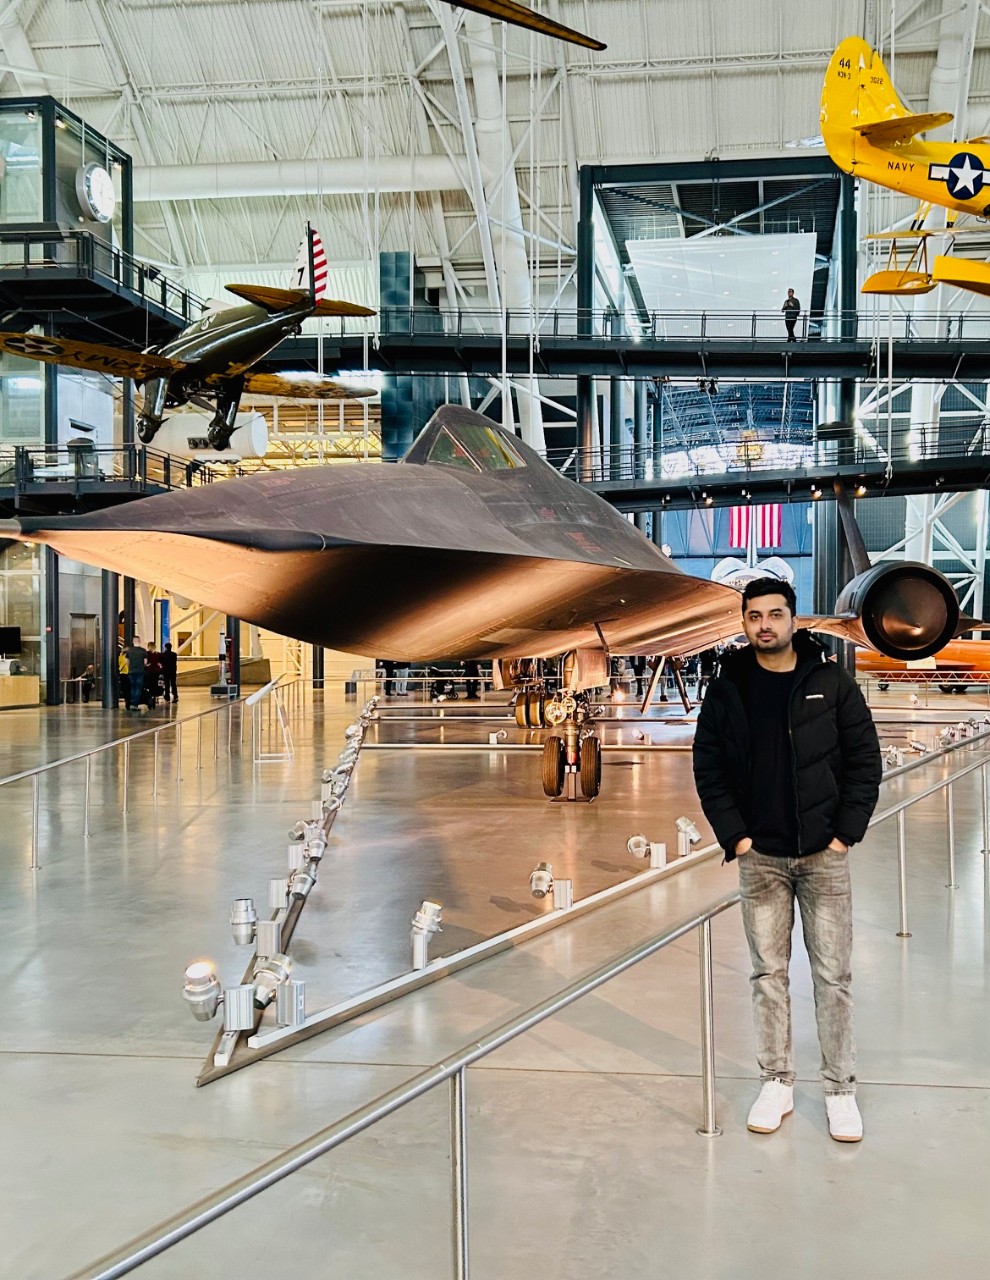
x,y
472,547
211,360
871,134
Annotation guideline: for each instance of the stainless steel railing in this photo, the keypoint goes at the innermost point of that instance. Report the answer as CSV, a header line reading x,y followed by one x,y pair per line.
x,y
454,1068
177,726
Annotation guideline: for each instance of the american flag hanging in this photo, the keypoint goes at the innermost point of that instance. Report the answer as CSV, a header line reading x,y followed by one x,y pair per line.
x,y
769,519
739,528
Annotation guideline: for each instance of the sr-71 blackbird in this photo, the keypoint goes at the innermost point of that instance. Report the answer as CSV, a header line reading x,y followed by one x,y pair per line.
x,y
471,547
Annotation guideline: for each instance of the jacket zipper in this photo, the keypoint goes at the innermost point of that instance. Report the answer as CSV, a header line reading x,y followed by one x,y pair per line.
x,y
790,738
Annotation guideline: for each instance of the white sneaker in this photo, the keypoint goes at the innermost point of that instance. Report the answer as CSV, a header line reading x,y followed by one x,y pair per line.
x,y
845,1124
776,1100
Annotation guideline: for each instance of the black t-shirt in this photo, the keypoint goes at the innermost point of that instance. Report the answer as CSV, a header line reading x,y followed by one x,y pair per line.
x,y
790,304
773,804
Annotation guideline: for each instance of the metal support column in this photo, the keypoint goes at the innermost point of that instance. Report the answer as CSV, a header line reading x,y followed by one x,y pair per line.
x,y
317,666
130,608
585,302
832,563
53,680
108,639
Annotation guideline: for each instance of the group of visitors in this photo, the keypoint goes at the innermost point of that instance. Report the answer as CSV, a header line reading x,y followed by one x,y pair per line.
x,y
145,674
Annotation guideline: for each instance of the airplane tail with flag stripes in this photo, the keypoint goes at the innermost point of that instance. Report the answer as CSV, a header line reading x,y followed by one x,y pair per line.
x,y
309,277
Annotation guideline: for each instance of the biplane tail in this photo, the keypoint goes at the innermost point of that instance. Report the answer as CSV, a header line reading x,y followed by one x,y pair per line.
x,y
859,104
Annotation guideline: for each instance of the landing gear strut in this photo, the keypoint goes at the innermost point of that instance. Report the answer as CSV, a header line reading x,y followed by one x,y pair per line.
x,y
574,755
224,420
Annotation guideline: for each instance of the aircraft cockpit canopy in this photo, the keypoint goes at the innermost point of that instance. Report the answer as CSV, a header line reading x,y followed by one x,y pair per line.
x,y
466,445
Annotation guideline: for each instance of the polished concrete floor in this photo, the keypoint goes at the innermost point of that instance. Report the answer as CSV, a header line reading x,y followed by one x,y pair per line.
x,y
584,1160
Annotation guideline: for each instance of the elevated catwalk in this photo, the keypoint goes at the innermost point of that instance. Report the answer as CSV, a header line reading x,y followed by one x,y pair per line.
x,y
583,1154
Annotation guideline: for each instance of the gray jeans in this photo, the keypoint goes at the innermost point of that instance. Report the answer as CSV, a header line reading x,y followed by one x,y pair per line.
x,y
820,883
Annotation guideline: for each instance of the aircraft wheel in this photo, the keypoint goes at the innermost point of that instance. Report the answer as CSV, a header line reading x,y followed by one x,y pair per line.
x,y
883,686
218,437
535,709
947,688
522,710
591,767
146,430
553,766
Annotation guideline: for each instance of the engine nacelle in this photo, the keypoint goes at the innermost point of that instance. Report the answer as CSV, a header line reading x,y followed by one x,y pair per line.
x,y
904,610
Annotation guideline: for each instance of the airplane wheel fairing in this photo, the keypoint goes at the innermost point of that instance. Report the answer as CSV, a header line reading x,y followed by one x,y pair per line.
x,y
535,709
553,767
521,710
591,767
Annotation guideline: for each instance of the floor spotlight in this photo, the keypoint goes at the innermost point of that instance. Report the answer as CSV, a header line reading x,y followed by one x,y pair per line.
x,y
267,976
243,920
201,990
687,835
425,923
656,851
301,884
541,880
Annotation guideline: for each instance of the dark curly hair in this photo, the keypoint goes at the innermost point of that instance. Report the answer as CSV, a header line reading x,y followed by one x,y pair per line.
x,y
769,587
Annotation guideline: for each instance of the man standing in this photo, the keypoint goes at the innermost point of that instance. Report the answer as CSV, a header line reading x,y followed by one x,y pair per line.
x,y
791,310
136,654
787,766
170,664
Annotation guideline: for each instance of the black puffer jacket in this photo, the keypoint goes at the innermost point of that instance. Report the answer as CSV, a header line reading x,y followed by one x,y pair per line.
x,y
837,766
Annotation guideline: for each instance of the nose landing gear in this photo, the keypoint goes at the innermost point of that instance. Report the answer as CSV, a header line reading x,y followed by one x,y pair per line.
x,y
573,756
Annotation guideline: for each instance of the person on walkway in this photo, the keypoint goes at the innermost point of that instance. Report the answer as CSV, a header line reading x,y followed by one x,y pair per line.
x,y
791,310
123,678
87,681
787,767
152,675
170,664
471,671
136,655
402,680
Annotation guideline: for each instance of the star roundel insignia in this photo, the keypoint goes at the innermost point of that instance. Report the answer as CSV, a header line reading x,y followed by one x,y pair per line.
x,y
965,176
32,346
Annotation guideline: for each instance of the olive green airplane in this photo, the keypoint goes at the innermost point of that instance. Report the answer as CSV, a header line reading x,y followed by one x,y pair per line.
x,y
871,134
211,360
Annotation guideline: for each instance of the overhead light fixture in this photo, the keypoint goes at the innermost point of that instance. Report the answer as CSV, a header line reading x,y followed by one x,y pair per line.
x,y
201,990
816,493
60,123
860,490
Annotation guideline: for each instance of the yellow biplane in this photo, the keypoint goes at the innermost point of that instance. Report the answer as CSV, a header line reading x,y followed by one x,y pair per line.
x,y
871,134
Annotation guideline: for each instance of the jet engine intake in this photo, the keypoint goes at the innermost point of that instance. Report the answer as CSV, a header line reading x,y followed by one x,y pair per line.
x,y
906,611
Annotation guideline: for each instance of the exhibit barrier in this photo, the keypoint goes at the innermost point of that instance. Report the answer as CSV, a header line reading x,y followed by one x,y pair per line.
x,y
294,701
453,1069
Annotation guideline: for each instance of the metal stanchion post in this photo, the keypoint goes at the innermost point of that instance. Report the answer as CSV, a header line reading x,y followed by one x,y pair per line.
x,y
903,931
709,1128
178,750
127,770
985,789
89,760
216,735
35,812
458,1173
950,819
199,742
154,784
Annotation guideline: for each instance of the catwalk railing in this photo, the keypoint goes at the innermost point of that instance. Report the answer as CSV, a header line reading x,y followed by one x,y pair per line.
x,y
24,254
453,1070
86,468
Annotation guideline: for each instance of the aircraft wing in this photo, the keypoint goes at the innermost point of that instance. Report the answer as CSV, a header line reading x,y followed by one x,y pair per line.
x,y
301,387
115,361
519,16
886,133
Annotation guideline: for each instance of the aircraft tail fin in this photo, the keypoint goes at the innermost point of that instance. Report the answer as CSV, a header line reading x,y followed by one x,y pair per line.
x,y
311,270
859,102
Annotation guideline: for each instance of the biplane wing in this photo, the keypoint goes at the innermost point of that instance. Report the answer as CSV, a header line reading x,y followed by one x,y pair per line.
x,y
115,361
301,386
